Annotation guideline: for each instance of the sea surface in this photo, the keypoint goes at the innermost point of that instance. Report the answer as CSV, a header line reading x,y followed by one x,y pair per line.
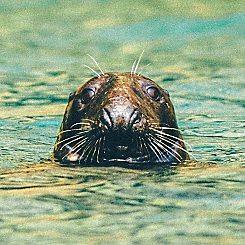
x,y
194,49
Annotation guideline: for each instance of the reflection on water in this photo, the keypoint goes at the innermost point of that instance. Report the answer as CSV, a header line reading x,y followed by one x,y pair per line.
x,y
194,52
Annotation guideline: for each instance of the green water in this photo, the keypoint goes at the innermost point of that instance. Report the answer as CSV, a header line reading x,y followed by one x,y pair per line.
x,y
195,50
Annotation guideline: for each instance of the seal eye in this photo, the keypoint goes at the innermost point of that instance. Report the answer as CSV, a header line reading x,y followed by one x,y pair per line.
x,y
153,92
86,95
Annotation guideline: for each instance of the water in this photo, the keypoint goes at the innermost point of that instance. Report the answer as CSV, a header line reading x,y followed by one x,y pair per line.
x,y
194,51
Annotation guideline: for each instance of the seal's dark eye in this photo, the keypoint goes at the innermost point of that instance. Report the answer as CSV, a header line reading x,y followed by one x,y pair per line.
x,y
153,92
86,95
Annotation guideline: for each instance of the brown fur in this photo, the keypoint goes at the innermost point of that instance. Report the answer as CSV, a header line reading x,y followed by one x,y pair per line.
x,y
119,92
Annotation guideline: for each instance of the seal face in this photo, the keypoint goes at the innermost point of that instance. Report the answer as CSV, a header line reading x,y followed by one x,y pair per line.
x,y
119,117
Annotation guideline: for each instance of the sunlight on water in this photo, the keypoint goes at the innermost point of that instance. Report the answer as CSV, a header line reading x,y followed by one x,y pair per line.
x,y
194,52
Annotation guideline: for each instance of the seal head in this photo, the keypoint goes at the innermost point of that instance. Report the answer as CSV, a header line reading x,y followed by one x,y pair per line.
x,y
119,117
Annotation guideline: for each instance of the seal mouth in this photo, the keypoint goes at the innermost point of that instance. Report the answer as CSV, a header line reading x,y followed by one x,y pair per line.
x,y
130,146
133,155
93,144
120,144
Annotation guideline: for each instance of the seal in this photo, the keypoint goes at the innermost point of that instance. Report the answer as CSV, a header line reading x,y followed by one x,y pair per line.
x,y
120,118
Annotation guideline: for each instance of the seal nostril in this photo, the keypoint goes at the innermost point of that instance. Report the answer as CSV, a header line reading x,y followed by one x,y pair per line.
x,y
135,117
105,118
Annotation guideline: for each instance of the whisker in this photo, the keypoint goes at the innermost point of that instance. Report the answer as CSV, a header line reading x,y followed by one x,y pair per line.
x,y
163,145
156,151
96,63
81,123
100,147
137,64
173,137
95,149
87,119
144,148
93,145
77,145
160,140
74,136
72,141
167,151
89,149
133,66
169,135
97,152
69,130
85,123
160,125
86,148
167,128
177,145
91,69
